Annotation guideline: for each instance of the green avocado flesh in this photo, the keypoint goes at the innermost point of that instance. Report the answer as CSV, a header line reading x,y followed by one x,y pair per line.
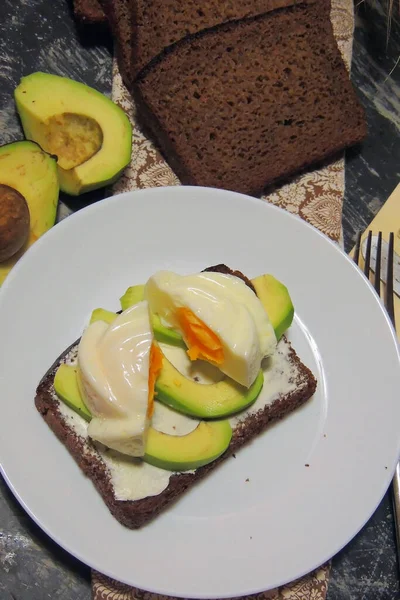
x,y
133,295
181,453
90,135
101,314
67,388
173,453
208,401
276,300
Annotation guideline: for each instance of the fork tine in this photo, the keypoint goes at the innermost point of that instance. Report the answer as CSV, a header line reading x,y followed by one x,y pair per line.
x,y
357,248
377,280
368,254
389,280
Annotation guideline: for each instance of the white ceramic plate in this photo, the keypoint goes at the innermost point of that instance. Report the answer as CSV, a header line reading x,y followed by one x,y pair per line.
x,y
227,536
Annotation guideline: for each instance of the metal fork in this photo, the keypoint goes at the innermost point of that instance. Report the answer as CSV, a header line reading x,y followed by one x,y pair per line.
x,y
389,305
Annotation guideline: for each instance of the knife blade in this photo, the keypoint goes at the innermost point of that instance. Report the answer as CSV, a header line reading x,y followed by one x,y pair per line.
x,y
384,256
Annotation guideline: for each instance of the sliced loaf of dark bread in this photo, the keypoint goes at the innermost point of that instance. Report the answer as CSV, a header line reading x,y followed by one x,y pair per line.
x,y
251,102
135,514
159,23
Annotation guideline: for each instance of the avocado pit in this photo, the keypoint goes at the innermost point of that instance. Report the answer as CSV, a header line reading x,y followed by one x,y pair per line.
x,y
14,221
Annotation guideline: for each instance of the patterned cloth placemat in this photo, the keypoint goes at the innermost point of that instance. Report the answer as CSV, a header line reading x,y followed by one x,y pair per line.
x,y
317,196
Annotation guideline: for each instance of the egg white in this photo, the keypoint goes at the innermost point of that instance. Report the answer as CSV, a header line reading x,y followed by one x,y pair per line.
x,y
227,306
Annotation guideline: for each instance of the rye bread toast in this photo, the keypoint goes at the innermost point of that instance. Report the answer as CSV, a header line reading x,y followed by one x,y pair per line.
x,y
135,514
301,385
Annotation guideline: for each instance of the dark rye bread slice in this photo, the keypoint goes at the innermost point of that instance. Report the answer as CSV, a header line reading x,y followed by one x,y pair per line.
x,y
159,23
135,514
89,12
119,17
251,102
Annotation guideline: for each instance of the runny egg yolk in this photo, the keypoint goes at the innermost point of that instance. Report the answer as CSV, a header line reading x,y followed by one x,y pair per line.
x,y
155,367
201,340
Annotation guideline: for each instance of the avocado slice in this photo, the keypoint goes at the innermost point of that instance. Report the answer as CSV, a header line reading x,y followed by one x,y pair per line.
x,y
166,335
276,301
182,453
25,168
101,314
67,387
90,135
135,294
208,401
174,453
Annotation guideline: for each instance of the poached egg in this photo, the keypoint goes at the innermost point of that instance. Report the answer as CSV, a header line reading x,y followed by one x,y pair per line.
x,y
118,364
221,320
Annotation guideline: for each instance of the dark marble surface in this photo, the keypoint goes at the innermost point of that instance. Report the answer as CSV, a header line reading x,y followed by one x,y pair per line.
x,y
41,35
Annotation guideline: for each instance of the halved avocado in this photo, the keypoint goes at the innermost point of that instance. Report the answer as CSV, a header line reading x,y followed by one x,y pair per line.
x,y
209,401
276,301
196,449
24,167
174,453
90,135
